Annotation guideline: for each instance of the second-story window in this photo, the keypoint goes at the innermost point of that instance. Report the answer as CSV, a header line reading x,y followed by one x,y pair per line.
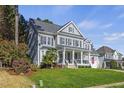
x,y
66,41
52,41
43,40
77,43
69,42
48,40
80,43
62,40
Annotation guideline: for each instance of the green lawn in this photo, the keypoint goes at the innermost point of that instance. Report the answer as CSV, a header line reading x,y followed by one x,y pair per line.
x,y
75,78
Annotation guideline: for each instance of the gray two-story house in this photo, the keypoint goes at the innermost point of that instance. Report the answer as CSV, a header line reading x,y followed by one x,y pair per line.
x,y
73,49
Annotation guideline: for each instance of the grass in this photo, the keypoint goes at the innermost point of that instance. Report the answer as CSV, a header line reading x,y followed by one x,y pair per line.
x,y
14,81
75,78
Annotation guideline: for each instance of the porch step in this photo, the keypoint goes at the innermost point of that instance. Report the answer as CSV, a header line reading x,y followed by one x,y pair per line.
x,y
72,66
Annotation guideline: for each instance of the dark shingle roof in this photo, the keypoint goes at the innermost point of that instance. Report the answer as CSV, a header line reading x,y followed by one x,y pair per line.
x,y
104,49
48,27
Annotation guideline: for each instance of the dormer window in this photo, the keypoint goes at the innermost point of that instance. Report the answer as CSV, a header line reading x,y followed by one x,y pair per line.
x,y
71,29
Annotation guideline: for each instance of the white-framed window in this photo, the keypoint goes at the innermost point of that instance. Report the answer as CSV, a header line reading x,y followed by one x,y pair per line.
x,y
52,42
43,40
62,40
75,43
71,29
48,40
68,41
80,43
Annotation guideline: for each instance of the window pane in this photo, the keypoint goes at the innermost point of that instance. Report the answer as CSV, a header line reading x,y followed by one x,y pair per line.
x,y
62,40
48,40
43,40
52,41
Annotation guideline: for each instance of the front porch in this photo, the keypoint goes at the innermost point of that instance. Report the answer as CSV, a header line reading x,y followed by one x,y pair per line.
x,y
73,57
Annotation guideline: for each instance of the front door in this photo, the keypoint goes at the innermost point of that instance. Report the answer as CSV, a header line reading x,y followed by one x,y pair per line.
x,y
68,56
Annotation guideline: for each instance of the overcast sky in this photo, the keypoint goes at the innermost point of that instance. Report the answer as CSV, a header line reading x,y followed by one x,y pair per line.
x,y
103,25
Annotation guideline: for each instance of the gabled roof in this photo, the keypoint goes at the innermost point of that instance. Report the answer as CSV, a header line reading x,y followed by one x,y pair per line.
x,y
44,26
50,27
104,49
67,24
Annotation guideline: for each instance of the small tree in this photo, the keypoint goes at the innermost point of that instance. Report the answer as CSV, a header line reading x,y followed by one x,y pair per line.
x,y
50,57
47,21
113,64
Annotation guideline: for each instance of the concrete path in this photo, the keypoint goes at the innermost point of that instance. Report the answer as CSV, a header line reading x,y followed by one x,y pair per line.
x,y
116,70
108,85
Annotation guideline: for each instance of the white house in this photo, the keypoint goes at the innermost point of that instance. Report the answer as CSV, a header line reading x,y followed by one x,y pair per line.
x,y
106,54
73,49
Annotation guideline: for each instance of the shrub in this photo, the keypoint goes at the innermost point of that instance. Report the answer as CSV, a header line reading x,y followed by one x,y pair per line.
x,y
113,64
50,58
20,66
33,67
9,51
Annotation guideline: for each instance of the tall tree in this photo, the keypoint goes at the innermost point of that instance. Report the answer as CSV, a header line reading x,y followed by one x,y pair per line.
x,y
22,28
47,21
7,23
2,22
9,17
16,25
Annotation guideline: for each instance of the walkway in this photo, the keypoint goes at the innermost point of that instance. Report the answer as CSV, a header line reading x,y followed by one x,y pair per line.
x,y
116,70
108,85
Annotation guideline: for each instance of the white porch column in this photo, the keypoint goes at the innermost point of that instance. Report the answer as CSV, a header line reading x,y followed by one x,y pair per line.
x,y
64,56
104,64
81,57
73,57
57,56
38,52
89,57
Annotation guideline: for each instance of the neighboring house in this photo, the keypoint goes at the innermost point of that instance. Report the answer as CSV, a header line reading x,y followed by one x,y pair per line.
x,y
73,49
106,54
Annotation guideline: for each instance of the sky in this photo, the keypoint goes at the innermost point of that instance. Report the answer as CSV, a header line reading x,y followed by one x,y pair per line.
x,y
103,25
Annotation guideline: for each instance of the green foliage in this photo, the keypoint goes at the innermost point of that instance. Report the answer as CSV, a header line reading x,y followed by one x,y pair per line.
x,y
33,67
7,24
22,27
38,19
50,57
8,21
21,66
47,21
113,64
9,52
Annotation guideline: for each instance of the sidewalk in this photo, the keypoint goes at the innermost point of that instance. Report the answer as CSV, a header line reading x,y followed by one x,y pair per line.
x,y
108,85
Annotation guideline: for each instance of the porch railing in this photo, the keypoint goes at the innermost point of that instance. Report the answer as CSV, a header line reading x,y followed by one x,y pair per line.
x,y
85,62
